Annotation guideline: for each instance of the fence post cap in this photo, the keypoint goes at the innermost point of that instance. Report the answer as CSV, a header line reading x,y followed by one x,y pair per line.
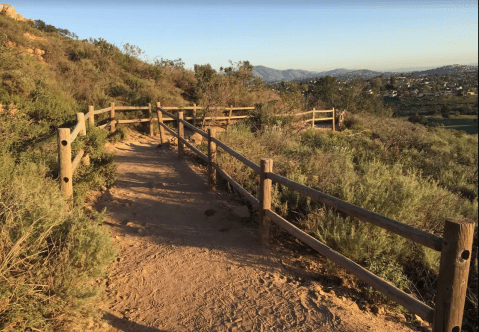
x,y
460,221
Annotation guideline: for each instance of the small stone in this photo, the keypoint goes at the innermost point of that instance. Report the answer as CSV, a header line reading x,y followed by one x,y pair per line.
x,y
140,231
418,319
377,310
196,138
401,318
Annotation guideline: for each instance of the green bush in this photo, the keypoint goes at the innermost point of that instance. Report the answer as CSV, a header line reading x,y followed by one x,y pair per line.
x,y
48,253
407,172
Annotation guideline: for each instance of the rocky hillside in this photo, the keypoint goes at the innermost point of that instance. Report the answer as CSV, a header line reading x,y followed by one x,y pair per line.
x,y
10,11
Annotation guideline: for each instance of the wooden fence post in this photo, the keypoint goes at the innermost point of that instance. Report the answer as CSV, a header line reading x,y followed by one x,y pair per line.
x,y
341,119
334,120
81,121
160,123
112,118
194,115
314,113
91,119
151,120
229,117
211,158
181,135
453,275
265,187
65,162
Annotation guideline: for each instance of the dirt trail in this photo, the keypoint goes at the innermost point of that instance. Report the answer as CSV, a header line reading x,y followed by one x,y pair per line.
x,y
190,260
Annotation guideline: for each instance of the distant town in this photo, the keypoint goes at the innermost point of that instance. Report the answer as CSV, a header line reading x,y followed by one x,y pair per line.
x,y
446,90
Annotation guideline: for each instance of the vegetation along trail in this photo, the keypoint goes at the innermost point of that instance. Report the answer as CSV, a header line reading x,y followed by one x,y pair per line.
x,y
190,259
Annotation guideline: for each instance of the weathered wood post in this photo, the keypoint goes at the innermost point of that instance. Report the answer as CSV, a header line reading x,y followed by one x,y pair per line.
x,y
160,123
265,187
181,135
81,121
194,115
91,119
112,118
65,162
229,117
312,122
211,158
151,119
341,119
453,275
334,120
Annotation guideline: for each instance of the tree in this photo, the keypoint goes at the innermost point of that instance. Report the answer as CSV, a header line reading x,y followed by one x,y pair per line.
x,y
326,89
241,70
377,85
213,90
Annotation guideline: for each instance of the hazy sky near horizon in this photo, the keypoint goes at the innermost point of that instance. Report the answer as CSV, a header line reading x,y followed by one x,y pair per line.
x,y
309,35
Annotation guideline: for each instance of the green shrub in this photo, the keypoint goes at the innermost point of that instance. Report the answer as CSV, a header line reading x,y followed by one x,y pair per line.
x,y
407,172
48,253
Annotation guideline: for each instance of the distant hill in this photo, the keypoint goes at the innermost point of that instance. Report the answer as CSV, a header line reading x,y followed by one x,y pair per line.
x,y
270,74
451,69
275,75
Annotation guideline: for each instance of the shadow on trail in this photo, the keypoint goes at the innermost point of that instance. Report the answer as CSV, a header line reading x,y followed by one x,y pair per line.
x,y
128,326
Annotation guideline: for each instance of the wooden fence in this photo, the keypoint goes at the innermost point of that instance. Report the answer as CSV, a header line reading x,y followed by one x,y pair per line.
x,y
455,245
67,166
315,119
66,137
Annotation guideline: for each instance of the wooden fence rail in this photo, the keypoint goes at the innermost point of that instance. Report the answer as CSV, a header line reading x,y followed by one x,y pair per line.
x,y
455,246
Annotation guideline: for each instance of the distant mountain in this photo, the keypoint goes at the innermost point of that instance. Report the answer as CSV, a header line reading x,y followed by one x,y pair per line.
x,y
451,69
270,74
275,75
361,73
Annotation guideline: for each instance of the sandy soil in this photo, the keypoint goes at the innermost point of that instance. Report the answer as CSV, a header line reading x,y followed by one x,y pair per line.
x,y
190,259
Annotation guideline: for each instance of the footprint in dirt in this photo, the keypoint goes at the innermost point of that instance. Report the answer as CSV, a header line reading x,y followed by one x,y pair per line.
x,y
210,212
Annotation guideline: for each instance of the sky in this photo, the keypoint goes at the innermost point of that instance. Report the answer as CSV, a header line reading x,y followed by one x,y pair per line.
x,y
308,35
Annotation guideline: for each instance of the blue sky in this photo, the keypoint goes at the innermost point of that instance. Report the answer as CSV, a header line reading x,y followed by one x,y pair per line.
x,y
310,35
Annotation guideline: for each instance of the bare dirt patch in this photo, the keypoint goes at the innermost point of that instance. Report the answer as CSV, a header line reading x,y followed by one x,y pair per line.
x,y
190,259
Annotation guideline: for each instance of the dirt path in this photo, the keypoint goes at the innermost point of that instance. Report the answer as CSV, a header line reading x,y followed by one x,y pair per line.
x,y
190,260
